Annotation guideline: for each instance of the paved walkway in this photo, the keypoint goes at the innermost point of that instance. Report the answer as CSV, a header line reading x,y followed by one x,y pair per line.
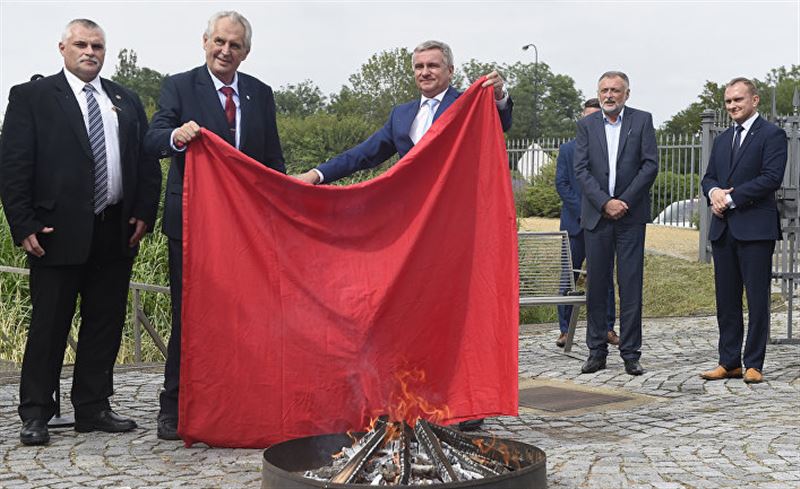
x,y
686,433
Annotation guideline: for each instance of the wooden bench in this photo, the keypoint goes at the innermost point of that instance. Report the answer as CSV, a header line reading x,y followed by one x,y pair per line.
x,y
546,275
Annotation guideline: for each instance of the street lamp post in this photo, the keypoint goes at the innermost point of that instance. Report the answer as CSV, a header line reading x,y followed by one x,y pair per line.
x,y
535,81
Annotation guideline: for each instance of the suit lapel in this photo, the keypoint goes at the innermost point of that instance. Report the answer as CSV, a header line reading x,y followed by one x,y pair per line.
x,y
211,106
624,131
125,115
69,104
246,112
598,127
450,96
744,144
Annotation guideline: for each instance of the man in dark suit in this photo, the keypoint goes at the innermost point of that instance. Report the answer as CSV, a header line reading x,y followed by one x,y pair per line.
x,y
236,107
616,162
79,194
745,169
570,193
433,71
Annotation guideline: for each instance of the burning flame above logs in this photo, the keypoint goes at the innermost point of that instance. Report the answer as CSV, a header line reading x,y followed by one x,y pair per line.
x,y
405,447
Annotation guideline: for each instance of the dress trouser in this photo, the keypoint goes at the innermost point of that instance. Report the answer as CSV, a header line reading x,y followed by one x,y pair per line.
x,y
738,266
578,253
624,240
102,284
169,396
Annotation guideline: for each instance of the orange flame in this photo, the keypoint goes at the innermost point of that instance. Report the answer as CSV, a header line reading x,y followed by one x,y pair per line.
x,y
408,406
511,457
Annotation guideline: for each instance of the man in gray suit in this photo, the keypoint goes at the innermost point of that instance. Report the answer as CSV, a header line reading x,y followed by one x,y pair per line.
x,y
616,162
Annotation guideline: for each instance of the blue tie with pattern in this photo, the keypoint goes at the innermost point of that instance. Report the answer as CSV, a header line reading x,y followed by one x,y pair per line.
x,y
97,140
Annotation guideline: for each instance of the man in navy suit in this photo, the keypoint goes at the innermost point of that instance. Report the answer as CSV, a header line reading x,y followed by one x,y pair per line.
x,y
236,107
433,71
745,169
570,193
616,162
79,193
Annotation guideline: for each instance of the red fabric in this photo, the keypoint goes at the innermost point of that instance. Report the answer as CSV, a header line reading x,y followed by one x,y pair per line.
x,y
303,306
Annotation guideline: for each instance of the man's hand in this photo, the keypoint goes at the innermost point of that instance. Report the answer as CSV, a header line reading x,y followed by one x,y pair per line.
x,y
719,201
494,79
309,177
186,133
31,243
138,233
615,209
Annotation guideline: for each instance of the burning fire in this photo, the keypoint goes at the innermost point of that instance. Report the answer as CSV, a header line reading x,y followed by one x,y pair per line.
x,y
510,457
409,407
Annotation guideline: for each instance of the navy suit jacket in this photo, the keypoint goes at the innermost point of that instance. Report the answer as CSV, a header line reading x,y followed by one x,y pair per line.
x,y
637,166
392,138
755,176
47,166
191,96
568,189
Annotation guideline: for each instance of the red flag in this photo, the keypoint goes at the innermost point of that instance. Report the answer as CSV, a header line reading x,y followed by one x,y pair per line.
x,y
303,305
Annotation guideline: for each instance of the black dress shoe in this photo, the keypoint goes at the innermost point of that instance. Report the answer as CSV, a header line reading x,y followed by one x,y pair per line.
x,y
470,425
633,367
106,420
593,364
167,428
34,432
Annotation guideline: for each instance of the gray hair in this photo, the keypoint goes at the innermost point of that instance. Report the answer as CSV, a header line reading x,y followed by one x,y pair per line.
x,y
751,87
447,53
235,17
615,74
85,23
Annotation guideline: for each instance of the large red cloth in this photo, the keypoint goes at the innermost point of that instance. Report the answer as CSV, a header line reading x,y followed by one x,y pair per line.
x,y
304,307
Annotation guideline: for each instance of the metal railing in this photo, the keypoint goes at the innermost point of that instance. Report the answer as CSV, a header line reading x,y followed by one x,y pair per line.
x,y
138,318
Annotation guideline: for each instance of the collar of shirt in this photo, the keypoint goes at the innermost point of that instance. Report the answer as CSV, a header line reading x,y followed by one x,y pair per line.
x,y
748,123
619,118
218,83
76,84
439,97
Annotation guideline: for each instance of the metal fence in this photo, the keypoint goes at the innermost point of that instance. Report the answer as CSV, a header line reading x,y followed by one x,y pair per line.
x,y
676,189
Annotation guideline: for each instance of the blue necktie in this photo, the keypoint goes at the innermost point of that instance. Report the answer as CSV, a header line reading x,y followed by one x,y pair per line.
x,y
97,140
737,141
431,103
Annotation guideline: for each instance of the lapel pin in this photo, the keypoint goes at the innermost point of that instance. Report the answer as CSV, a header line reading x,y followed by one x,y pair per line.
x,y
247,97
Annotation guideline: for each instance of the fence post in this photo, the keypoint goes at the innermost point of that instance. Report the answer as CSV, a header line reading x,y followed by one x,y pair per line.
x,y
707,120
137,329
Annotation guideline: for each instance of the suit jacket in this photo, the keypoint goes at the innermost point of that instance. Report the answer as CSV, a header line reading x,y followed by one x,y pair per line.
x,y
755,176
637,166
190,96
392,138
568,189
47,168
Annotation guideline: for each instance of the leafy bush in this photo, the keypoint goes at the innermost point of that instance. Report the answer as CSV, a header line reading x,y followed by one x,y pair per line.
x,y
541,198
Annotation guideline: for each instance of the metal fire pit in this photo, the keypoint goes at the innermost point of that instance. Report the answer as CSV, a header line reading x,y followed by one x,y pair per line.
x,y
285,463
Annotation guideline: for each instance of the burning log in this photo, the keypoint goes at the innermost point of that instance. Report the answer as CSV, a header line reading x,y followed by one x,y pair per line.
x,y
428,441
372,441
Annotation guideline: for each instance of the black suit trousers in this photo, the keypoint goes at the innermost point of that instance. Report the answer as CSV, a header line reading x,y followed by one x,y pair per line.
x,y
625,241
742,266
102,284
168,399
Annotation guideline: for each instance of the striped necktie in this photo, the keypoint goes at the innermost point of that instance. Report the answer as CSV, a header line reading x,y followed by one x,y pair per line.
x,y
97,140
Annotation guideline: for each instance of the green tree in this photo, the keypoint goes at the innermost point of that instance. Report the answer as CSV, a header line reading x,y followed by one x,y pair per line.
x,y
558,102
301,100
144,81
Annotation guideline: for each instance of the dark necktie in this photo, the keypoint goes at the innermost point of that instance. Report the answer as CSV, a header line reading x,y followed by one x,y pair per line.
x,y
97,140
737,141
230,110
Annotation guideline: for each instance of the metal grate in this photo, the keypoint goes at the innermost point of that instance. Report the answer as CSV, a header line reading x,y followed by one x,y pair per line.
x,y
545,264
559,399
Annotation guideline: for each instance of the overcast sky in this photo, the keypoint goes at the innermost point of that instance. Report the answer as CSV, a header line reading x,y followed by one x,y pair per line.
x,y
668,48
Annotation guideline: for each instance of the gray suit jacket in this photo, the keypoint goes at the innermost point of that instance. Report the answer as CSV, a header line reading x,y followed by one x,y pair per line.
x,y
637,166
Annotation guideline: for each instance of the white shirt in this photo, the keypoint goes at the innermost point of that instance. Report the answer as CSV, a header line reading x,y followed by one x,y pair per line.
x,y
217,85
746,125
110,129
613,130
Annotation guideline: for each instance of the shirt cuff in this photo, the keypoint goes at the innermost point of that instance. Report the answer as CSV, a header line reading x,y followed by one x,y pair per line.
x,y
320,175
172,145
501,104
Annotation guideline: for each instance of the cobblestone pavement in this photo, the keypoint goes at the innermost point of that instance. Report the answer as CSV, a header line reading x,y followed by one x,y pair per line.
x,y
690,434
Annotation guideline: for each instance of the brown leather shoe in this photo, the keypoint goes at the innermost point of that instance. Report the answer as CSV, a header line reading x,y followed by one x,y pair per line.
x,y
613,339
721,372
753,376
562,340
